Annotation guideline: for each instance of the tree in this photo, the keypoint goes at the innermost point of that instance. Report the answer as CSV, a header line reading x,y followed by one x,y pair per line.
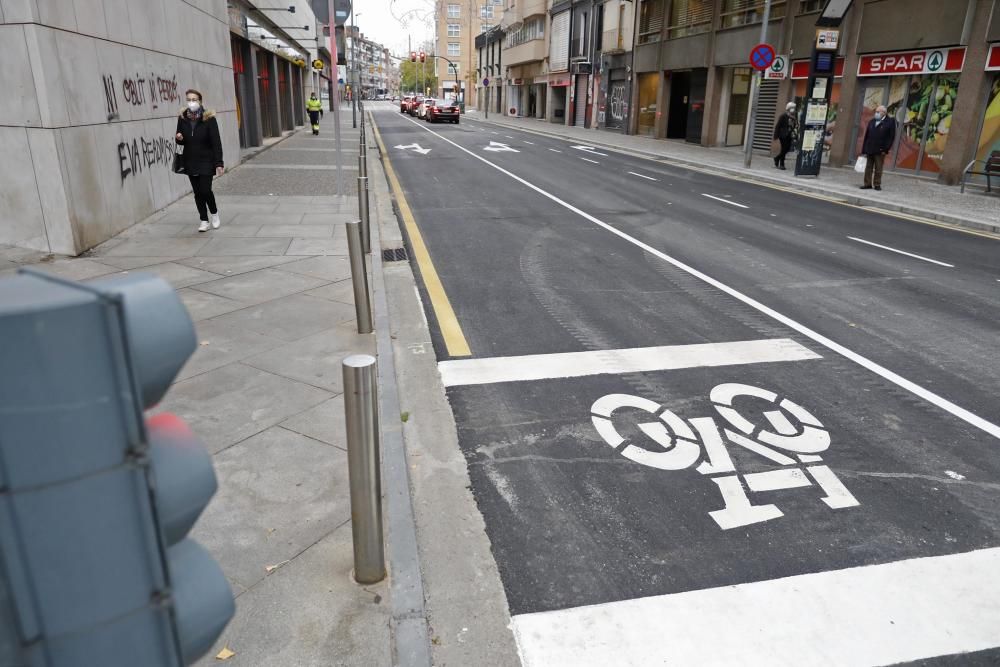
x,y
412,77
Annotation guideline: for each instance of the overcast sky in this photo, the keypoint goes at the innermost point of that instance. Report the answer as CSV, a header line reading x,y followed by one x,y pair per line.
x,y
390,22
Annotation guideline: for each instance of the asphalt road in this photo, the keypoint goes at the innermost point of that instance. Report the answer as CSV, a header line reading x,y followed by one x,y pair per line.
x,y
684,389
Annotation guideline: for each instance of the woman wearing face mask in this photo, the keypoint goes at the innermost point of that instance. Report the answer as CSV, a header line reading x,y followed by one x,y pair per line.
x,y
785,132
198,133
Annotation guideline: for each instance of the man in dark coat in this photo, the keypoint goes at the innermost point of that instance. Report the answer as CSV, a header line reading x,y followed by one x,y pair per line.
x,y
785,131
879,137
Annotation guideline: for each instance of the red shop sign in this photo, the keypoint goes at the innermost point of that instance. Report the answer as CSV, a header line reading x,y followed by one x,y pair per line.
x,y
993,62
800,69
931,61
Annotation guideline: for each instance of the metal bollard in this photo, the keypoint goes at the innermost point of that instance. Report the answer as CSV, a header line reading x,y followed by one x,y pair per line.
x,y
363,163
366,230
363,467
359,277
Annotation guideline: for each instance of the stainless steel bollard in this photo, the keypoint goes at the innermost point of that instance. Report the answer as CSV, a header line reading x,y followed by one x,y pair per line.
x,y
363,467
366,230
359,277
363,163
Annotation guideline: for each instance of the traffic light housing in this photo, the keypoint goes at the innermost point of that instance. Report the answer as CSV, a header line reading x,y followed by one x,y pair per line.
x,y
96,501
423,56
413,56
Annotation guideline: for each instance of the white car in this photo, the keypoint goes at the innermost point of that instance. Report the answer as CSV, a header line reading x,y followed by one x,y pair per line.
x,y
424,105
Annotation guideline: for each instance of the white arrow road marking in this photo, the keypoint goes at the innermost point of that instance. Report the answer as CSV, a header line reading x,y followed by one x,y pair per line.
x,y
417,148
497,147
589,149
724,201
901,252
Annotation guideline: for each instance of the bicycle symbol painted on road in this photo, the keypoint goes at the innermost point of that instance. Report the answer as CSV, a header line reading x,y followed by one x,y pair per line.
x,y
794,438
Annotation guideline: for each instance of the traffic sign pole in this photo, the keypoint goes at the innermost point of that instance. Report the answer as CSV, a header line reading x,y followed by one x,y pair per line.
x,y
755,90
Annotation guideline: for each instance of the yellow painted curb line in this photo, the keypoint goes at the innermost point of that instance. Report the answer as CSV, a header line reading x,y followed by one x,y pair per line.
x,y
451,330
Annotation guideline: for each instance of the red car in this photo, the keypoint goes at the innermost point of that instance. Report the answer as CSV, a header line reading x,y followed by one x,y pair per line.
x,y
404,103
442,110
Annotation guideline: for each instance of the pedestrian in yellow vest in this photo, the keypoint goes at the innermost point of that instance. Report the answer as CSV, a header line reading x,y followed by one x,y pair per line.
x,y
314,107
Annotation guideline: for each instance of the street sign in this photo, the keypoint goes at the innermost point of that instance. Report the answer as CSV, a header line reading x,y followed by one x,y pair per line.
x,y
779,68
486,82
761,57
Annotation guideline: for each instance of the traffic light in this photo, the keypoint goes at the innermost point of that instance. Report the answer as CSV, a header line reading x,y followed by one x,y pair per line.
x,y
423,56
96,501
413,56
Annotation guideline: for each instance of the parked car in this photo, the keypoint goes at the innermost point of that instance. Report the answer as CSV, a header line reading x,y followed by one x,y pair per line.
x,y
442,110
425,104
404,103
414,106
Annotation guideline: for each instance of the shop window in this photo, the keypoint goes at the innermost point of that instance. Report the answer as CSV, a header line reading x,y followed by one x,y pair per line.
x,y
989,137
649,88
747,12
651,20
453,29
689,17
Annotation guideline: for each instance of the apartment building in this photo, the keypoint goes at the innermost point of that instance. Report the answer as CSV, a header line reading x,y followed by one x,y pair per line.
x,y
459,22
369,66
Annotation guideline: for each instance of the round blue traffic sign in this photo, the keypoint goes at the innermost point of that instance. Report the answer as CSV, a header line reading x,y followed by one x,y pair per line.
x,y
486,82
761,57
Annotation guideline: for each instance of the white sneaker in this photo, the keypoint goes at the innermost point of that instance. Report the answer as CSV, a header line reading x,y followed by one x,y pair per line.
x,y
216,223
203,227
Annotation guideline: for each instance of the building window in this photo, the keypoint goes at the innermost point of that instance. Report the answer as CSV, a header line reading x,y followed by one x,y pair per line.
x,y
529,30
689,17
747,12
453,49
650,20
454,11
810,6
486,27
453,29
486,12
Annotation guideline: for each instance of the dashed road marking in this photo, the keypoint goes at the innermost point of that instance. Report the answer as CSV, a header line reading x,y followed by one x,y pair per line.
x,y
901,252
589,160
724,201
648,178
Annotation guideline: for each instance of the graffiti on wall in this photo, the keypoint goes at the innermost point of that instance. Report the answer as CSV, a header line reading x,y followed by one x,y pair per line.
x,y
144,153
140,91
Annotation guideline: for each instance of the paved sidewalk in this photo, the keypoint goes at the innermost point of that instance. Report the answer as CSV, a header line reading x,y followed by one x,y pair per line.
x,y
906,194
271,296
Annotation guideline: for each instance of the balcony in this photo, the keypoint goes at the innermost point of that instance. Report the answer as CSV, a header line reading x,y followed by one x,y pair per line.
x,y
528,52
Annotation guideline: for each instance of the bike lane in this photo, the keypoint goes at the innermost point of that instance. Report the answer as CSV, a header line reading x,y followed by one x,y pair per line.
x,y
681,442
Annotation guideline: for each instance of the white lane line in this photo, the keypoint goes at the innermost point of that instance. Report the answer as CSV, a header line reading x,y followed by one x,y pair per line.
x,y
648,178
901,252
460,372
878,369
724,201
586,159
874,615
529,143
555,150
507,136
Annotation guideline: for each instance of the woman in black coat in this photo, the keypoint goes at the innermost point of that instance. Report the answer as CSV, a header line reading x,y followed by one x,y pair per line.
x,y
198,133
785,132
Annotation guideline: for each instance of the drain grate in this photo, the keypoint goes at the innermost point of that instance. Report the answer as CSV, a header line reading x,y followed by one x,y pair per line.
x,y
394,255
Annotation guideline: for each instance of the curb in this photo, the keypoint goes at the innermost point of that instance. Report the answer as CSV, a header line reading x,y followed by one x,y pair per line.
x,y
874,205
410,631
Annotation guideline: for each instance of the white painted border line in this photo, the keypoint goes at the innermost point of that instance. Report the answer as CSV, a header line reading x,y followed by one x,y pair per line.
x,y
460,372
555,150
589,160
724,201
883,372
901,252
648,178
873,615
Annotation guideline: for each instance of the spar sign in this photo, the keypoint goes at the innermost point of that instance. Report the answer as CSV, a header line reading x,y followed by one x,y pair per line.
x,y
931,61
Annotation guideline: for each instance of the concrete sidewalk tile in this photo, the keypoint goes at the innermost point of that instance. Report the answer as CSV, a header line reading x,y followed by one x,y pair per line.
x,y
246,230
179,275
332,246
243,246
330,218
235,265
134,263
311,613
178,217
316,360
168,247
160,229
267,218
229,404
290,318
340,200
221,343
260,286
332,268
76,268
202,305
279,493
308,209
296,231
342,291
325,422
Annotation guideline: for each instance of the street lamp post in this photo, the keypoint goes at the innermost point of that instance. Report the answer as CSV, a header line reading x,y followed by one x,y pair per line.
x,y
354,66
